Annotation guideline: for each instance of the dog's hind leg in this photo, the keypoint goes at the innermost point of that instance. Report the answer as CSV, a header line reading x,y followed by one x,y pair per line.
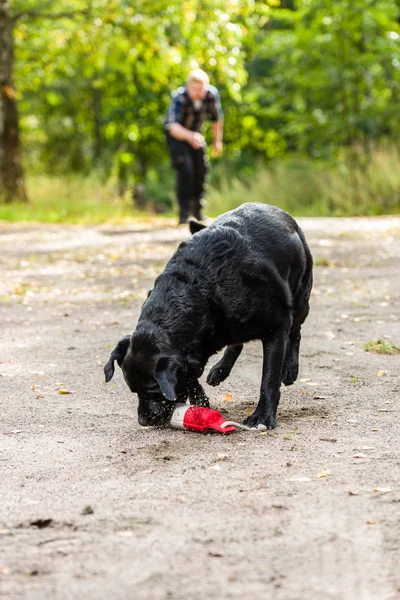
x,y
291,367
275,348
222,369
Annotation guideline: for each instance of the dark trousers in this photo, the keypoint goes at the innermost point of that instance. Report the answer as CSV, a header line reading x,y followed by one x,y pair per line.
x,y
191,166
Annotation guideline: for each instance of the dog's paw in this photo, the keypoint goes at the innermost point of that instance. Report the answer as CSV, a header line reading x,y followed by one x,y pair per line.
x,y
256,419
216,375
290,374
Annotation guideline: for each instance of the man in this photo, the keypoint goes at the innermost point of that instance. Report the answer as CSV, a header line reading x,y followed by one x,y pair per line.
x,y
190,107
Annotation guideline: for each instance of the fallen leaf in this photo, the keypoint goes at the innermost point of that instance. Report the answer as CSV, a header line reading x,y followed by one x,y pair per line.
x,y
221,456
353,493
228,398
383,490
330,334
63,391
4,569
359,455
323,474
215,468
381,373
88,510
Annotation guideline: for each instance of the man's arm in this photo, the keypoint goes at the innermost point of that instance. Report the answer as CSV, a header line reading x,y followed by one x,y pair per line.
x,y
218,127
181,133
217,118
176,129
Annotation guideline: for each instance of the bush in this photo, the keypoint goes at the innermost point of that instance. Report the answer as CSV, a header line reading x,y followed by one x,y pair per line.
x,y
356,184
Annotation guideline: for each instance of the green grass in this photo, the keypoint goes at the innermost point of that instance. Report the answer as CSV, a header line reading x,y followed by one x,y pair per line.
x,y
323,262
289,436
381,347
308,188
301,186
70,200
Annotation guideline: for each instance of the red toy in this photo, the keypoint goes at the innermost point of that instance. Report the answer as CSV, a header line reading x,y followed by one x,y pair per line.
x,y
198,418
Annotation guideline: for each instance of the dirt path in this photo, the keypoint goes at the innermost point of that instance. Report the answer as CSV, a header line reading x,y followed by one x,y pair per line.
x,y
266,523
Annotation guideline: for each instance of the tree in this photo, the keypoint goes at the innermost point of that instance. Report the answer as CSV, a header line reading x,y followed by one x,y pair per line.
x,y
330,78
12,186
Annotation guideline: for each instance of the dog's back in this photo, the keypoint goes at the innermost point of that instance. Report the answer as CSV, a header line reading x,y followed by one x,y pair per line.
x,y
250,262
261,236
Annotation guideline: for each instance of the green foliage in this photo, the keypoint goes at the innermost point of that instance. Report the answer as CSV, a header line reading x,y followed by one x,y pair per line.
x,y
310,91
328,75
94,89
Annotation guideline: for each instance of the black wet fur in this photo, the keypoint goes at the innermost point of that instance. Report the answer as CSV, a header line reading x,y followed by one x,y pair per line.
x,y
247,276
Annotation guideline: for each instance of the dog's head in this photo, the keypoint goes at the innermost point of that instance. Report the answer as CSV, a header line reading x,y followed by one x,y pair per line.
x,y
149,373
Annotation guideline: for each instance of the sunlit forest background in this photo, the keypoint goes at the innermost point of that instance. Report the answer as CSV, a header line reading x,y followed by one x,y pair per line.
x,y
310,91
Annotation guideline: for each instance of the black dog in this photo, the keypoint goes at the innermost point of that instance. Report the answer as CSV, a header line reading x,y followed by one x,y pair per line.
x,y
248,276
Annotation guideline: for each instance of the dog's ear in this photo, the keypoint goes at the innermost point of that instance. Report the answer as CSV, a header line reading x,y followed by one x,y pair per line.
x,y
117,354
195,226
166,377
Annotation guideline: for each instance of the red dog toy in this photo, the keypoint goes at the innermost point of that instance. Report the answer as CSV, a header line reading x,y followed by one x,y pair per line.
x,y
198,418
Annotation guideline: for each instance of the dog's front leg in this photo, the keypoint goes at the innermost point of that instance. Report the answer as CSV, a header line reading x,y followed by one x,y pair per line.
x,y
221,370
193,392
274,347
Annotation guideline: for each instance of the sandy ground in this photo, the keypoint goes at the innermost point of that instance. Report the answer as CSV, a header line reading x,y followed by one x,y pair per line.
x,y
95,507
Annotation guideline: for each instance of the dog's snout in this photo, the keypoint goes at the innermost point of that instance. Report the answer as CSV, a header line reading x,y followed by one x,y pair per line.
x,y
153,412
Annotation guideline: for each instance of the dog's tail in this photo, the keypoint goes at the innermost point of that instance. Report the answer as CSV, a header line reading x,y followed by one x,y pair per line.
x,y
305,284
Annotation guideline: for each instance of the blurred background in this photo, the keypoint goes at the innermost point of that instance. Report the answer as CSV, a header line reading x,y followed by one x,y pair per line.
x,y
310,91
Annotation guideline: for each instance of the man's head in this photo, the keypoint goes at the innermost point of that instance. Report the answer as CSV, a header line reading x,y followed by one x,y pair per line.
x,y
197,83
149,373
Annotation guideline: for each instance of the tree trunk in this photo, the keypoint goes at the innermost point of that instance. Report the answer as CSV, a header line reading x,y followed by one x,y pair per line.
x,y
12,186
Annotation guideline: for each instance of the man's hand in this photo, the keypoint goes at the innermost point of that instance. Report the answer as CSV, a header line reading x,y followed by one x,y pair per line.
x,y
196,140
217,149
